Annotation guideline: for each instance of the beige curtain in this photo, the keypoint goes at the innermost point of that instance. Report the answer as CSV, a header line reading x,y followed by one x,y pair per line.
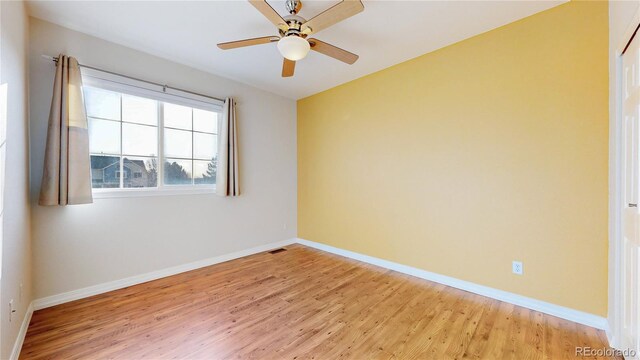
x,y
227,182
66,179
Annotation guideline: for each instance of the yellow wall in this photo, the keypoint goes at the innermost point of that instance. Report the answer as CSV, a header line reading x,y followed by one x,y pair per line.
x,y
466,158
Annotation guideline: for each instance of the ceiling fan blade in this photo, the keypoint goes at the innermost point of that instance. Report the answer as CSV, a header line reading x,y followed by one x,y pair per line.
x,y
270,14
333,51
288,67
344,9
248,42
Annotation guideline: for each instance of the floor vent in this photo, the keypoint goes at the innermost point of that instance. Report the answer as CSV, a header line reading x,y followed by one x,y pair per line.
x,y
277,251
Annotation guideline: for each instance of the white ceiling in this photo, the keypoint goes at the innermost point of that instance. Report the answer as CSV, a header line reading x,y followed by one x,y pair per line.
x,y
386,33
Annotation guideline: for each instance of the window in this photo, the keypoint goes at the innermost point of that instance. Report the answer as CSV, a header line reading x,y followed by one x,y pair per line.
x,y
148,142
190,145
118,173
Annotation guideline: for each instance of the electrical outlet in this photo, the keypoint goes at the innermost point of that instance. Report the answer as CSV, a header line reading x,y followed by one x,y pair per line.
x,y
284,226
516,267
11,310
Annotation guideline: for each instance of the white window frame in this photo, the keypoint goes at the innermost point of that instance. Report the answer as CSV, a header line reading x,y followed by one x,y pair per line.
x,y
111,82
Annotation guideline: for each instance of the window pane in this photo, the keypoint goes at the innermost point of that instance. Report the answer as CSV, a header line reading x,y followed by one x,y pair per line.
x,y
102,103
205,121
104,136
177,172
139,140
204,172
204,146
105,171
139,110
176,116
177,143
140,172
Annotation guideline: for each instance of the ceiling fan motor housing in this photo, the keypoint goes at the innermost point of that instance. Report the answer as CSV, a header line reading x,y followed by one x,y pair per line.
x,y
295,26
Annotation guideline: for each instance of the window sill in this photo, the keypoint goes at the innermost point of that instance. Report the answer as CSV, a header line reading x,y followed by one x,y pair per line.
x,y
167,191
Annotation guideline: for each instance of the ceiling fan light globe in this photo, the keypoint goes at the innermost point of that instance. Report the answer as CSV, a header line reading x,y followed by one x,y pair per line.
x,y
293,47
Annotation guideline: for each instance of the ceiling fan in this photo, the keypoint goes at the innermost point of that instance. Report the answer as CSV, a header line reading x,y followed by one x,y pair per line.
x,y
293,43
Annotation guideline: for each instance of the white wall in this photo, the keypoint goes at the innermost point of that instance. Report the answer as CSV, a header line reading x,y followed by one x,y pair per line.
x,y
621,14
16,240
82,245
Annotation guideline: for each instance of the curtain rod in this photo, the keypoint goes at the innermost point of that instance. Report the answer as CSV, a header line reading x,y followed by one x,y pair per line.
x,y
163,86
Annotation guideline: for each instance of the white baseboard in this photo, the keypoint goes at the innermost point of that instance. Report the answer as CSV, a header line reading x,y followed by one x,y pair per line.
x,y
595,321
17,346
154,275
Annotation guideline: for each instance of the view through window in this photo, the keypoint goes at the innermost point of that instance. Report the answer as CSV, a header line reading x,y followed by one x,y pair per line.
x,y
138,142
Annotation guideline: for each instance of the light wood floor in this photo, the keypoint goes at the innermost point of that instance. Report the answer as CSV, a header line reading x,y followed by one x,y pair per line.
x,y
298,304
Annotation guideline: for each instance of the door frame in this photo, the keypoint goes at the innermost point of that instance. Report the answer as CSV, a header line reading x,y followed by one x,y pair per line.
x,y
616,201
